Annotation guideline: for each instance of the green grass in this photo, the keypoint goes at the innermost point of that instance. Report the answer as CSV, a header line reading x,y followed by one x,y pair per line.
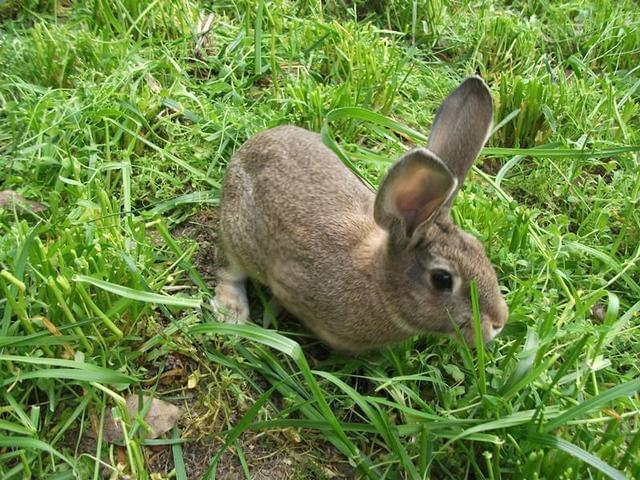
x,y
120,116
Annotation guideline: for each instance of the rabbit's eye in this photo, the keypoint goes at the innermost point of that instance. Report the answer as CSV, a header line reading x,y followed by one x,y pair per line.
x,y
441,279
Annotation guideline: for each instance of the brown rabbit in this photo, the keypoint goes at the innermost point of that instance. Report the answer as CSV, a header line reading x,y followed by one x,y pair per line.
x,y
360,270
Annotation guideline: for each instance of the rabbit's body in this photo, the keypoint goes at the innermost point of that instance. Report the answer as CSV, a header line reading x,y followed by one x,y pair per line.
x,y
270,227
338,257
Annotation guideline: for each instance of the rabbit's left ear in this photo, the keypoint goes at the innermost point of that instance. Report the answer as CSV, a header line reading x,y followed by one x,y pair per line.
x,y
461,127
411,194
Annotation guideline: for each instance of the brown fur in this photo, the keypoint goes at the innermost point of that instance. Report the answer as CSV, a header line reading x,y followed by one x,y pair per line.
x,y
355,269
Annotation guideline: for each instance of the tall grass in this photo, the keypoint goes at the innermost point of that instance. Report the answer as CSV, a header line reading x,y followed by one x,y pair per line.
x,y
120,118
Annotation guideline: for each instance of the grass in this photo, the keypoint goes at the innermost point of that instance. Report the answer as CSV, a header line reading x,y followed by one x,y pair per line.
x,y
120,117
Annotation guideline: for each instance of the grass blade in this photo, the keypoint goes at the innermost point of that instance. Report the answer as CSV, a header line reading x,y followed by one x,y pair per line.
x,y
257,41
209,197
359,113
14,427
525,363
178,457
68,366
622,390
479,339
141,296
32,443
550,441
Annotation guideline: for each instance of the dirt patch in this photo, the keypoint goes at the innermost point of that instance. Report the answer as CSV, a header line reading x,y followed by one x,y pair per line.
x,y
268,456
212,409
490,165
203,229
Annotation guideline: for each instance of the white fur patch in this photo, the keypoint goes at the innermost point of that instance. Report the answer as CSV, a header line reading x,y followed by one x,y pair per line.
x,y
495,332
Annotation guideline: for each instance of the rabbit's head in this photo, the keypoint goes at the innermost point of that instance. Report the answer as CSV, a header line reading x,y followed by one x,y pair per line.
x,y
427,259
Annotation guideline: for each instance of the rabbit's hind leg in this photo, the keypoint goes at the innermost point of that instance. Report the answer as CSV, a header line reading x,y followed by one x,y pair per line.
x,y
230,302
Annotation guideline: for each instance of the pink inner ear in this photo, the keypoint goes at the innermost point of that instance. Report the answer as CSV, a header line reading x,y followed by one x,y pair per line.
x,y
419,195
416,207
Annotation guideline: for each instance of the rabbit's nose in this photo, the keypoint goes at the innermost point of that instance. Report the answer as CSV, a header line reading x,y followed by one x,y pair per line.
x,y
497,319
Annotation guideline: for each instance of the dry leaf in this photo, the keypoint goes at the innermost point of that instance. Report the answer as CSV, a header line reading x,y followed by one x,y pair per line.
x,y
612,413
53,330
11,199
161,417
193,380
202,29
152,83
169,376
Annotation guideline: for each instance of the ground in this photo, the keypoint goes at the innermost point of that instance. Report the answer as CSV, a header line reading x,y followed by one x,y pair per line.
x,y
117,121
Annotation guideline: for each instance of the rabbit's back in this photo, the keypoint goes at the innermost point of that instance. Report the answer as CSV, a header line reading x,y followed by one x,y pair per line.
x,y
290,202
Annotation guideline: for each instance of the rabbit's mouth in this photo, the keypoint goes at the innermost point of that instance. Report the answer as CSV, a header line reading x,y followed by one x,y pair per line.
x,y
495,332
488,330
492,323
464,328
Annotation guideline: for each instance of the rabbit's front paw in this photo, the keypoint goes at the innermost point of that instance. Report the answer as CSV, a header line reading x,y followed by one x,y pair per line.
x,y
230,303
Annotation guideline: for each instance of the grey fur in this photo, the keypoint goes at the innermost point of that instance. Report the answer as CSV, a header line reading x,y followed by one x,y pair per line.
x,y
353,266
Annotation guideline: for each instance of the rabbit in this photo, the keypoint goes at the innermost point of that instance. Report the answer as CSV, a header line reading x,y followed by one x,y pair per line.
x,y
361,270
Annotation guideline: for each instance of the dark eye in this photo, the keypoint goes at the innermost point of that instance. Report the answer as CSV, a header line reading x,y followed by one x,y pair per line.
x,y
441,279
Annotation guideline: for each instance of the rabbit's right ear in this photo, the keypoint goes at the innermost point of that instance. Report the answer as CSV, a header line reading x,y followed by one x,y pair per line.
x,y
411,194
461,126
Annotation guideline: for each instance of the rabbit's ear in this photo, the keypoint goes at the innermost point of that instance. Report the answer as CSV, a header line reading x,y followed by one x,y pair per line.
x,y
461,126
411,194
